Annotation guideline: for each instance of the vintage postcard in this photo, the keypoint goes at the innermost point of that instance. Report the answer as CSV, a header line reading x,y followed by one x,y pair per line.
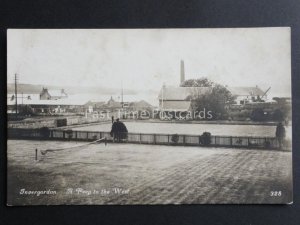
x,y
149,116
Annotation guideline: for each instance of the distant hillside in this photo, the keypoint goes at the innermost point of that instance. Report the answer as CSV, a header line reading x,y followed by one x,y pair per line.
x,y
36,89
25,88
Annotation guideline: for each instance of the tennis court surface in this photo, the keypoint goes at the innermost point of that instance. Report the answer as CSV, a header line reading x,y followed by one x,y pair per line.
x,y
145,174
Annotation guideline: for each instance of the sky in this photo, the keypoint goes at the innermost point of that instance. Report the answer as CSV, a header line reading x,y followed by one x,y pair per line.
x,y
143,59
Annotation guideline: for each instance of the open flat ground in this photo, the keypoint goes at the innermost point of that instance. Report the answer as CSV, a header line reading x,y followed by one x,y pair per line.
x,y
192,129
146,174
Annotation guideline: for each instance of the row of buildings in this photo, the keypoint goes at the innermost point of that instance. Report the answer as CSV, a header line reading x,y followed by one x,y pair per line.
x,y
170,98
176,98
57,102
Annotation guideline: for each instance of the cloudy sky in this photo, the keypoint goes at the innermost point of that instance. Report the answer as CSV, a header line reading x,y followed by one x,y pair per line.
x,y
143,59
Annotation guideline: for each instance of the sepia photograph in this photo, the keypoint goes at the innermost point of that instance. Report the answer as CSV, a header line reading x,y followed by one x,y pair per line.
x,y
149,116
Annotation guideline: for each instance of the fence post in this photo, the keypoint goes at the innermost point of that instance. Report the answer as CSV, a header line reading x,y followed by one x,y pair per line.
x,y
36,152
76,134
52,134
248,142
168,139
230,141
154,138
265,145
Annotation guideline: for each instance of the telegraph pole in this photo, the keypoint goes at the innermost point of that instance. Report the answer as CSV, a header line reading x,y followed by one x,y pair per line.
x,y
122,95
162,95
16,95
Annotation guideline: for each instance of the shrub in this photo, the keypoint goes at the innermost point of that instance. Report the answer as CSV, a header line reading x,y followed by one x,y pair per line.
x,y
278,115
258,115
45,132
205,138
175,138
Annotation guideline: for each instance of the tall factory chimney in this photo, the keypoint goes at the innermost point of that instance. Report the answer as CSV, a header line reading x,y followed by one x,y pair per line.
x,y
182,75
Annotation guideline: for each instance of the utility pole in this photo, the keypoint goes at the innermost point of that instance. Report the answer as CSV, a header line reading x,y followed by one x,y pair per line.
x,y
122,95
162,95
16,95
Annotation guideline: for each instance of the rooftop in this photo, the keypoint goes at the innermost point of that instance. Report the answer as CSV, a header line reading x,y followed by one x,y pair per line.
x,y
64,101
252,91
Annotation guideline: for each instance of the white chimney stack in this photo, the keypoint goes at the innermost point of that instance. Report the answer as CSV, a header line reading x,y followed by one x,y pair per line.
x,y
182,74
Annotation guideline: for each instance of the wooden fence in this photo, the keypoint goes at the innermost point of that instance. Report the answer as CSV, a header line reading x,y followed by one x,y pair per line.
x,y
142,138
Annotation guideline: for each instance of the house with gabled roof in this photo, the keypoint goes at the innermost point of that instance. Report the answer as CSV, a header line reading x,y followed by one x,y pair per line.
x,y
245,95
179,98
52,94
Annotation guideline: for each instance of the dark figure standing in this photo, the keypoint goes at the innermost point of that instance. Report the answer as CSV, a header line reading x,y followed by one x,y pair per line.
x,y
280,134
118,130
